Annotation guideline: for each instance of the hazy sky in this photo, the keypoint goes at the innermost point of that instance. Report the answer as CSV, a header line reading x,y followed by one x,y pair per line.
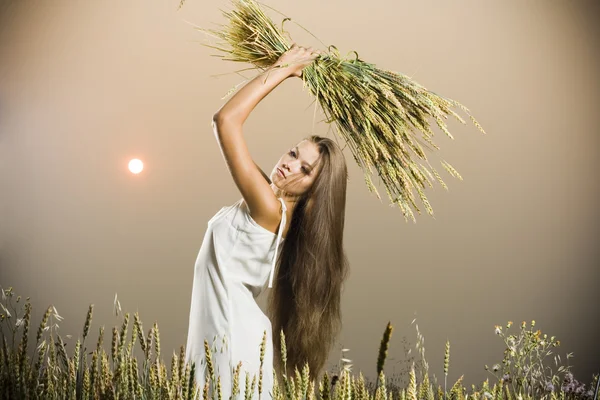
x,y
85,86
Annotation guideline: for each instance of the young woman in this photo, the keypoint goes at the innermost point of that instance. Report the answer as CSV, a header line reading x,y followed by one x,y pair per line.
x,y
306,187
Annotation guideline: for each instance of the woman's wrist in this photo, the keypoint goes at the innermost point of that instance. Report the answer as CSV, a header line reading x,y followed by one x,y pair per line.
x,y
285,70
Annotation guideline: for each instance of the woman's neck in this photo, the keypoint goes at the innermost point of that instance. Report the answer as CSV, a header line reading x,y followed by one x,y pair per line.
x,y
290,200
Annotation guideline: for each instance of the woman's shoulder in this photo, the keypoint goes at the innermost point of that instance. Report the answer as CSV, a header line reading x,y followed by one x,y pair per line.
x,y
259,225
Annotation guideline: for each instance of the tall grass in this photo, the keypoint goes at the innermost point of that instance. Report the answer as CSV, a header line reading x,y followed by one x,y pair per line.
x,y
48,371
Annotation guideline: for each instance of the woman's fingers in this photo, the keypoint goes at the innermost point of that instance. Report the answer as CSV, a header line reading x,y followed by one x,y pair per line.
x,y
298,57
309,50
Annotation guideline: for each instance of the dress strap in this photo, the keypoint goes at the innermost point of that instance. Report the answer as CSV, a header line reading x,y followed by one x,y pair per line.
x,y
279,233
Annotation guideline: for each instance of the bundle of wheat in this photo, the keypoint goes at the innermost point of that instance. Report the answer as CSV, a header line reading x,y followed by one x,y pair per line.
x,y
381,115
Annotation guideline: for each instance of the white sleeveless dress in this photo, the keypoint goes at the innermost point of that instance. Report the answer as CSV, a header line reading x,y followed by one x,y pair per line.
x,y
235,260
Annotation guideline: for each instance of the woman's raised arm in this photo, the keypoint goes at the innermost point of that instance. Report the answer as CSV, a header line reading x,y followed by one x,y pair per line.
x,y
227,126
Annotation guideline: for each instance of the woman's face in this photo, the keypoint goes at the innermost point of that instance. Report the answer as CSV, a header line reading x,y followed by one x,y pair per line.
x,y
296,170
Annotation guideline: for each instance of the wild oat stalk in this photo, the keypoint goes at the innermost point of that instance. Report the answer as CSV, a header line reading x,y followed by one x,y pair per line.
x,y
381,115
345,363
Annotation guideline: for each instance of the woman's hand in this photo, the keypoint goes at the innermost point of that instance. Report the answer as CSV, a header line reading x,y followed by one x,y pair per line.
x,y
296,59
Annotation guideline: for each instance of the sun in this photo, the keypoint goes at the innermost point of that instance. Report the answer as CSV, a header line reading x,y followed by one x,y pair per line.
x,y
136,166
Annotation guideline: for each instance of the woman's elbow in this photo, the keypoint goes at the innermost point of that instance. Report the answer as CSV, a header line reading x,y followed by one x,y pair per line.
x,y
219,118
224,125
217,123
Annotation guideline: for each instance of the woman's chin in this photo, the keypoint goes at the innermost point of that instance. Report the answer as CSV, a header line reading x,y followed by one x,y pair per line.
x,y
276,181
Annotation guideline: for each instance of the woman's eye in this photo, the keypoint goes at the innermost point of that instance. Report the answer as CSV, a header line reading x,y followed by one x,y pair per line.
x,y
293,153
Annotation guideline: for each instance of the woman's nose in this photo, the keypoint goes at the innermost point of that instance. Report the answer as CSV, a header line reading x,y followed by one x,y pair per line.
x,y
294,167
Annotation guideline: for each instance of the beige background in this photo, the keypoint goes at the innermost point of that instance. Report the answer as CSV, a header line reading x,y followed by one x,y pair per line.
x,y
88,85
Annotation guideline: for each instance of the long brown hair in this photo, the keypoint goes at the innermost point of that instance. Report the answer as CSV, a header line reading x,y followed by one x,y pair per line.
x,y
312,265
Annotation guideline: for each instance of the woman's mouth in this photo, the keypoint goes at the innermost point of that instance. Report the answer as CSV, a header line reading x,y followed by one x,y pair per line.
x,y
280,172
